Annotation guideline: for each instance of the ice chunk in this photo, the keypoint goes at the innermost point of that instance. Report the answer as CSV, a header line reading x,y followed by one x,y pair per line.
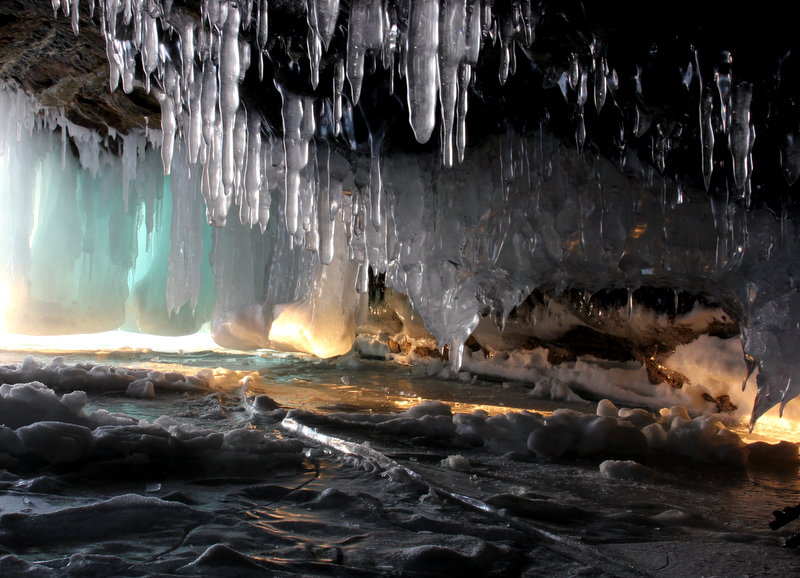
x,y
119,516
57,442
457,462
627,470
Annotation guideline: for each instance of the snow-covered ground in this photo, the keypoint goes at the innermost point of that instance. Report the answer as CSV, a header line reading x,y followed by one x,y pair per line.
x,y
284,464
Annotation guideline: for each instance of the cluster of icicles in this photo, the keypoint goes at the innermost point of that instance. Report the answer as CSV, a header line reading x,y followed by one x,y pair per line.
x,y
195,68
723,111
434,45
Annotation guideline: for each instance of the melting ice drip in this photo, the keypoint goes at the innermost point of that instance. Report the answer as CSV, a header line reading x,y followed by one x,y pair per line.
x,y
490,232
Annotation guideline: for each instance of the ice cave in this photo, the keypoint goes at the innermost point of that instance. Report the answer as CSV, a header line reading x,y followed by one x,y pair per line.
x,y
399,287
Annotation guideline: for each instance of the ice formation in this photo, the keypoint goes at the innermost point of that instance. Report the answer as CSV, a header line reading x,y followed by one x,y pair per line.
x,y
306,209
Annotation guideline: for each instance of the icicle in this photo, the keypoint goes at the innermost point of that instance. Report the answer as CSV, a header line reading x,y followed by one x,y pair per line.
x,y
149,48
252,183
630,305
264,196
422,43
365,32
129,157
208,103
246,13
169,113
580,131
325,217
506,48
56,5
314,47
563,82
472,34
220,202
128,69
63,148
452,48
362,278
295,154
308,201
390,36
306,168
262,28
110,21
574,71
195,139
187,53
356,48
790,158
687,74
707,136
739,136
529,21
239,155
600,86
582,90
168,128
338,88
375,182
76,15
134,13
229,93
244,59
464,79
323,14
724,82
186,238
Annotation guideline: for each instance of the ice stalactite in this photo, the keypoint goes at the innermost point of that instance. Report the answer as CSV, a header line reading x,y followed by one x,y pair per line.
x,y
365,33
421,67
707,136
295,142
229,67
740,136
452,49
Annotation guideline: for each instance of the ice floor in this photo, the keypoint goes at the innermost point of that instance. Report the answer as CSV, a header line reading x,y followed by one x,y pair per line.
x,y
331,489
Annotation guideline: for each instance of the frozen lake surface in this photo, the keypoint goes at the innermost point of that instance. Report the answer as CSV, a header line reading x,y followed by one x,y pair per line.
x,y
335,489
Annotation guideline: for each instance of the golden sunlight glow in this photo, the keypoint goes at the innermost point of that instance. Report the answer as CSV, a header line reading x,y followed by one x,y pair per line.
x,y
771,426
294,330
10,298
